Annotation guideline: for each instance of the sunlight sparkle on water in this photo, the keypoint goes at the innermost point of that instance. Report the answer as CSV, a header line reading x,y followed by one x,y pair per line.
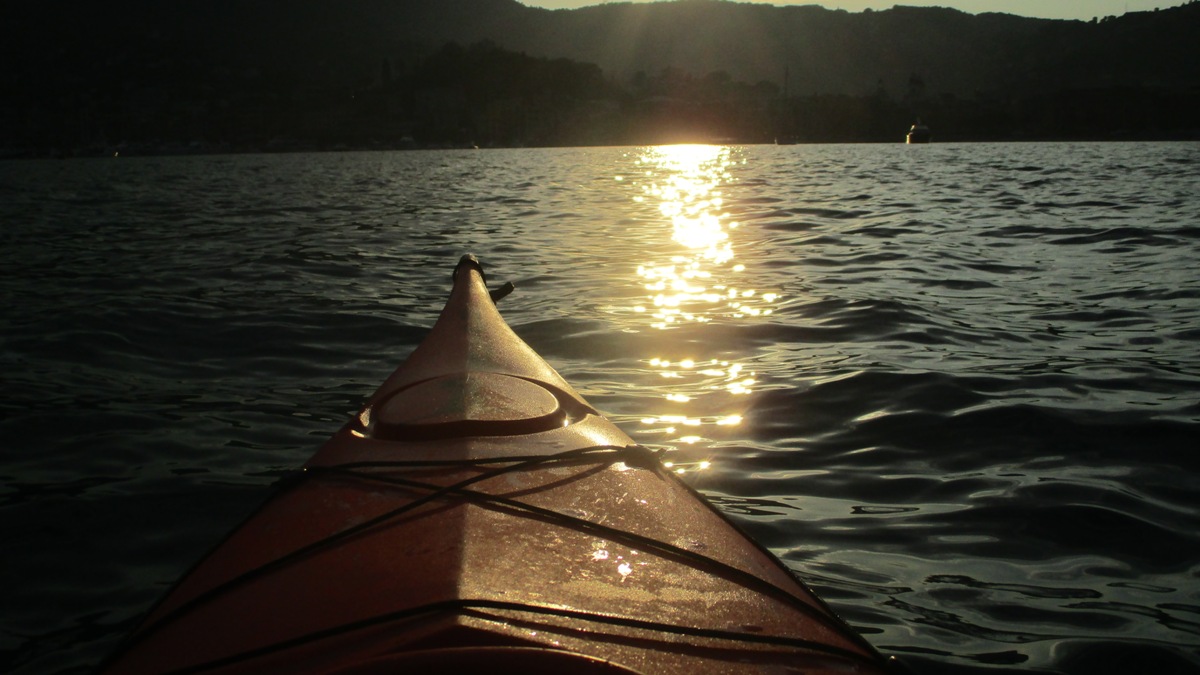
x,y
685,180
699,282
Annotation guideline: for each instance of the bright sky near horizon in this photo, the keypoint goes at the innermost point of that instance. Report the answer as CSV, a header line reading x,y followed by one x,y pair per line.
x,y
1046,9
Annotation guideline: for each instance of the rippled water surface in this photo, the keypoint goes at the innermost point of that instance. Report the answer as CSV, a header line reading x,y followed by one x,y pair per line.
x,y
955,387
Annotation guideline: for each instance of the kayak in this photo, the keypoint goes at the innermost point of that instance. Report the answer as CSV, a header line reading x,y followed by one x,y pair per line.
x,y
478,513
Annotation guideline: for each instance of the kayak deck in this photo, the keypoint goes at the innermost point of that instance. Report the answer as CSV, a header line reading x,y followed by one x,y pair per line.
x,y
478,513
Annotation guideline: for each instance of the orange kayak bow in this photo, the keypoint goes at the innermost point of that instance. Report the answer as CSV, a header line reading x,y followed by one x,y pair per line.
x,y
478,513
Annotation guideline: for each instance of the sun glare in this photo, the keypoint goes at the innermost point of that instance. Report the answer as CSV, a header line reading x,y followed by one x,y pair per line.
x,y
698,282
694,285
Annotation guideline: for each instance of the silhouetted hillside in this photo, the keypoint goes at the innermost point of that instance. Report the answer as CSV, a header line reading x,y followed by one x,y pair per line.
x,y
836,52
248,73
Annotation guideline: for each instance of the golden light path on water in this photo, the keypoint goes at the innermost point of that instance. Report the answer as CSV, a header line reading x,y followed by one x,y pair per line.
x,y
696,284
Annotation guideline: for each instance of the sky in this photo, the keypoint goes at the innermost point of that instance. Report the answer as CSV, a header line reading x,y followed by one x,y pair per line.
x,y
1046,9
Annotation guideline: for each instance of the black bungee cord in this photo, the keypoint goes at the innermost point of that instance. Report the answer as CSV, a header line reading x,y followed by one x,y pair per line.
x,y
635,455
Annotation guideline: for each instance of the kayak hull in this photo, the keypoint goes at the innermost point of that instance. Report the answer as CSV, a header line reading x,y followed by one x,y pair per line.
x,y
479,513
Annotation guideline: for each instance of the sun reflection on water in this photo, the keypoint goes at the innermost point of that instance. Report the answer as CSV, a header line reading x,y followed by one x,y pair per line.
x,y
696,283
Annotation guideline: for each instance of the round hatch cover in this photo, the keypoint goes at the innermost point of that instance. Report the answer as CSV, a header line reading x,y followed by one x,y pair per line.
x,y
468,404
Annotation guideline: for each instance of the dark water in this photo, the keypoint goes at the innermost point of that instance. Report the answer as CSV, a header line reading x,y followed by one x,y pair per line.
x,y
955,387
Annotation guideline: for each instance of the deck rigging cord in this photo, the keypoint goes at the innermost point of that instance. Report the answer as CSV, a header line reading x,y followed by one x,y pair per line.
x,y
633,455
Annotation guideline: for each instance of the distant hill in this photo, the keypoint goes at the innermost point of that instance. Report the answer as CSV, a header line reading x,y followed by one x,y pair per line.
x,y
72,70
827,51
824,51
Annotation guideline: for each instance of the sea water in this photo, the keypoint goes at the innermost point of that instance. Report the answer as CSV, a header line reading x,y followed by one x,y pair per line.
x,y
956,388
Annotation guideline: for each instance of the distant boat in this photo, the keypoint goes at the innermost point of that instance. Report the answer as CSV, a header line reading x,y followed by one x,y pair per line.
x,y
919,133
